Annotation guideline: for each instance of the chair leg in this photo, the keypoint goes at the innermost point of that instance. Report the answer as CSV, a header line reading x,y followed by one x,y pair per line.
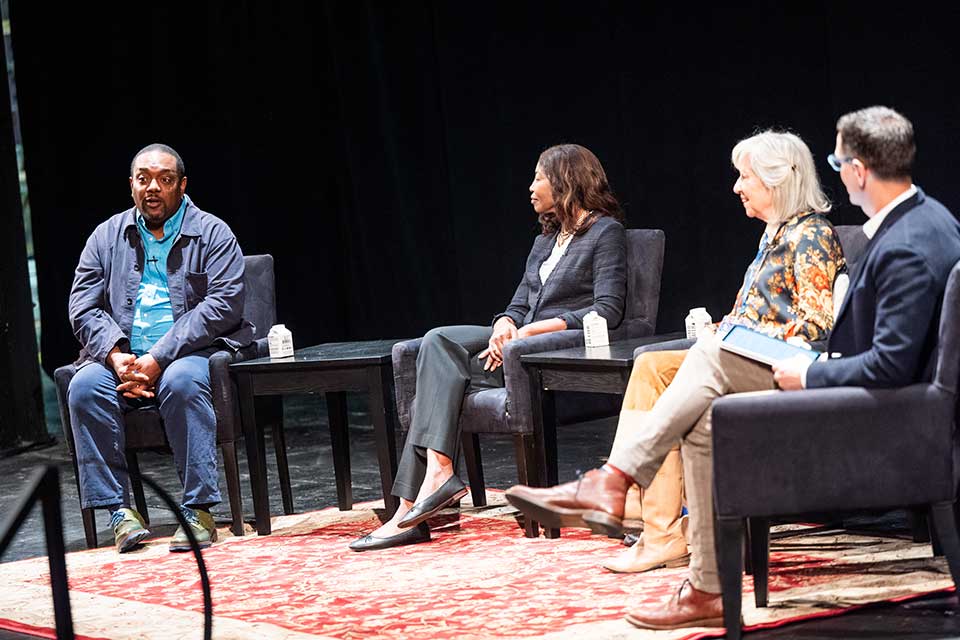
x,y
729,541
232,471
945,524
133,470
527,473
747,558
471,455
340,447
759,533
87,515
89,527
919,526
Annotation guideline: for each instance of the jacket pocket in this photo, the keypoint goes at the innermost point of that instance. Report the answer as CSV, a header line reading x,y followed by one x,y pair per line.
x,y
195,289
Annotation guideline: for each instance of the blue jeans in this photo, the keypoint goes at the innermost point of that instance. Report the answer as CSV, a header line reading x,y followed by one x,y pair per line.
x,y
185,404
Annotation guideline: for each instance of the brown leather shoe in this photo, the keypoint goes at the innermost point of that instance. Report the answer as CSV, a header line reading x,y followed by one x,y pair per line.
x,y
689,608
594,501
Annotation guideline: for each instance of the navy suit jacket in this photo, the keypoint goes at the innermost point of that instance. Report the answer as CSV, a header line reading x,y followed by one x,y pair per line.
x,y
886,330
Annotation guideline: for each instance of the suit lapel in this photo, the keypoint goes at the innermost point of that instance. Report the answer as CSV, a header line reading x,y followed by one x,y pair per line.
x,y
892,218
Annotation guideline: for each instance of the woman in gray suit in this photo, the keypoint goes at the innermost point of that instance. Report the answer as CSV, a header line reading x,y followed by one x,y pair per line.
x,y
576,265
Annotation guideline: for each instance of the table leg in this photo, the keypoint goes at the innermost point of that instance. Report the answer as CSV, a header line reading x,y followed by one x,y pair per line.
x,y
256,454
548,462
382,407
283,468
340,444
544,417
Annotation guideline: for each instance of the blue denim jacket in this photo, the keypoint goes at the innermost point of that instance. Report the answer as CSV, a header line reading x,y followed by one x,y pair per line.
x,y
205,275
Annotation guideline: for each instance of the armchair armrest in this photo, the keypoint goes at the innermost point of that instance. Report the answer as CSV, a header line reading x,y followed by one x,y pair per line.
x,y
779,453
62,377
668,344
515,376
405,378
222,387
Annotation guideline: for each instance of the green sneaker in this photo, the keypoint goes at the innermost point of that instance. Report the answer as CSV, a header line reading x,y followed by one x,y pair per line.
x,y
128,529
203,527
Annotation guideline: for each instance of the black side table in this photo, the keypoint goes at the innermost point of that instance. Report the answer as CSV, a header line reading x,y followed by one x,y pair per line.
x,y
596,370
332,368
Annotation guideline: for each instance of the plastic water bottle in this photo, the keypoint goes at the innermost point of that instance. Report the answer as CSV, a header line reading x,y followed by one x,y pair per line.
x,y
280,341
696,320
595,330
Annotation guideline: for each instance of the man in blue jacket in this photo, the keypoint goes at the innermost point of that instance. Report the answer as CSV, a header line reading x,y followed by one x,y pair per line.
x,y
158,289
885,334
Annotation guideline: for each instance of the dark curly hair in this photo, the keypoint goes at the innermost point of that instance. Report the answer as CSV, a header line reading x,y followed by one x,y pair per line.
x,y
578,183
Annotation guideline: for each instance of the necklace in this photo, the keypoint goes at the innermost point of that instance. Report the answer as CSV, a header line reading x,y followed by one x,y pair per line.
x,y
563,236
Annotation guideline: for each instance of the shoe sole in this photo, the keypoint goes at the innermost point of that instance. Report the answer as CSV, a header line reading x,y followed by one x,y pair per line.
x,y
550,517
423,517
132,540
386,543
704,622
603,523
668,564
180,547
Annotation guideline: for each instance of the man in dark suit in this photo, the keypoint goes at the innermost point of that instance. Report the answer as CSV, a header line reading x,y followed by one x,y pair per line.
x,y
885,334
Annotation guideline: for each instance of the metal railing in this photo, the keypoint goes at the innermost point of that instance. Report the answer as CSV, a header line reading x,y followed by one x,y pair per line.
x,y
44,486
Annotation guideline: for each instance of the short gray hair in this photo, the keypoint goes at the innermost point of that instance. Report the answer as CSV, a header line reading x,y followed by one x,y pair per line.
x,y
784,164
882,139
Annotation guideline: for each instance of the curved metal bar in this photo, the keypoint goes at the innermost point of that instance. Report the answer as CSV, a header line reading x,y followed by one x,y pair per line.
x,y
44,486
197,554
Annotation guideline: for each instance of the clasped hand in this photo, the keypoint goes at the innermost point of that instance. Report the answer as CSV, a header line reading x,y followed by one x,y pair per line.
x,y
503,332
138,376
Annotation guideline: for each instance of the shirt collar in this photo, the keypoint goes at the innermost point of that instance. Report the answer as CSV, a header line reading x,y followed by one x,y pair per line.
x,y
171,227
771,230
871,226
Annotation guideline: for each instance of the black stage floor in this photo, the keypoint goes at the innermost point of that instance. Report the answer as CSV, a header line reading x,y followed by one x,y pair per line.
x,y
581,447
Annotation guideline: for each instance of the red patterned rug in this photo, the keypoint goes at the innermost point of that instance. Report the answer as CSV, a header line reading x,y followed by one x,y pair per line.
x,y
477,579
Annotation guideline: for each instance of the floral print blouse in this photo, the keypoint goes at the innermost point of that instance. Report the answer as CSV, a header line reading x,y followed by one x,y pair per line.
x,y
788,288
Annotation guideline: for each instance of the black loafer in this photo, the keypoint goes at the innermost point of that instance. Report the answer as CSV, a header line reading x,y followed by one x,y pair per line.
x,y
371,542
450,491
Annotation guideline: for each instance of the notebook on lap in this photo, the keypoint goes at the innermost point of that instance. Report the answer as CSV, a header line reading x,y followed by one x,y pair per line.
x,y
760,347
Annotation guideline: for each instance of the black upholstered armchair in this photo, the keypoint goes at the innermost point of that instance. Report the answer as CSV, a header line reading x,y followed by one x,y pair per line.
x,y
144,428
849,448
507,410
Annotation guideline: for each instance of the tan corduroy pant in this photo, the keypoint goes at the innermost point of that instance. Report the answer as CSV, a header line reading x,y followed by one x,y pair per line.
x,y
682,415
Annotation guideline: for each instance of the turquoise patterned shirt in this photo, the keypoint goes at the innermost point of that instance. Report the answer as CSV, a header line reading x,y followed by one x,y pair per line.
x,y
153,314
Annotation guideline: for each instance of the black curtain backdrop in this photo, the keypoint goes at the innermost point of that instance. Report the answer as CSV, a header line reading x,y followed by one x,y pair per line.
x,y
382,152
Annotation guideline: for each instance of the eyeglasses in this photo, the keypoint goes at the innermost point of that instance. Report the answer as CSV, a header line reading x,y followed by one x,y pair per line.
x,y
837,161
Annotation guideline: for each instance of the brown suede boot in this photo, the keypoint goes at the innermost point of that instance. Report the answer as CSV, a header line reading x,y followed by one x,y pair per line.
x,y
663,543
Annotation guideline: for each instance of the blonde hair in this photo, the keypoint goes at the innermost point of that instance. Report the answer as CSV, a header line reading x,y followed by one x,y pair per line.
x,y
784,164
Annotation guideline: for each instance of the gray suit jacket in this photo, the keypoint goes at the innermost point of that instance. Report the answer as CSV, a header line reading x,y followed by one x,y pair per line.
x,y
591,276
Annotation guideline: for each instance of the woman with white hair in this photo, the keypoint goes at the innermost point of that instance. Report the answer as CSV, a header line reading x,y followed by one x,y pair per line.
x,y
787,293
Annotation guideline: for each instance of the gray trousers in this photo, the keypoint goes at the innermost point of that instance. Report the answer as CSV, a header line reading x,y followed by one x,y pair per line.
x,y
447,370
682,415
